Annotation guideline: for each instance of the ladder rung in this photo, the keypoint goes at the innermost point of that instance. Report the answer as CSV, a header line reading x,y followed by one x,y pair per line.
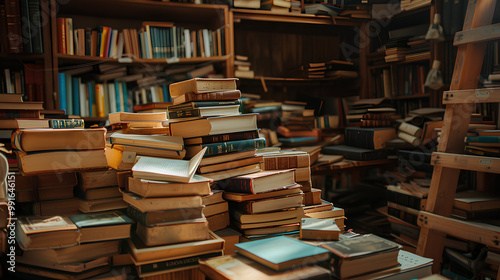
x,y
476,35
478,232
483,95
467,162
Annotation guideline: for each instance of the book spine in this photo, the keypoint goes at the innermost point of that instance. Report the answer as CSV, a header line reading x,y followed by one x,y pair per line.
x,y
25,27
70,123
62,91
166,266
286,162
88,41
239,185
32,114
61,35
184,114
137,215
406,200
76,96
234,146
13,19
229,137
482,139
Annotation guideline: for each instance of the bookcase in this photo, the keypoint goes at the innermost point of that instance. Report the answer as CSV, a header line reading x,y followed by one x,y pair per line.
x,y
401,78
131,15
278,44
33,64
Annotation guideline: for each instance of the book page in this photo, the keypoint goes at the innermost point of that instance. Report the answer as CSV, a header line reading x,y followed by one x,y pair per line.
x,y
164,166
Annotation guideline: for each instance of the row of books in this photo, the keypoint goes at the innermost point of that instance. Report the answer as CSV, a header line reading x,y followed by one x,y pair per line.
x,y
152,40
21,26
28,81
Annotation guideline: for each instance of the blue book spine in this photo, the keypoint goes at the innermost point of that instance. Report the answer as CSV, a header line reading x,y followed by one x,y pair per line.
x,y
76,97
91,99
69,95
62,91
125,97
483,139
117,94
166,94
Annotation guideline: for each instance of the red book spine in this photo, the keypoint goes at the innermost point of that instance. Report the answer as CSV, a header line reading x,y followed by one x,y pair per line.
x,y
61,35
240,185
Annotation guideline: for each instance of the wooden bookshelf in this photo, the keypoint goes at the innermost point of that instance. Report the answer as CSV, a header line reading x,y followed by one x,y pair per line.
x,y
261,15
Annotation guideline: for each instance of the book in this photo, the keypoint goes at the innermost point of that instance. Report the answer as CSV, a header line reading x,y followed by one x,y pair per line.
x,y
99,205
226,110
174,232
123,117
142,253
263,181
214,125
354,153
209,96
97,193
268,204
75,268
44,162
29,140
319,229
238,197
218,221
23,123
163,169
355,256
196,186
97,179
476,201
161,203
202,85
166,142
208,139
242,268
152,218
28,271
213,198
46,232
285,160
102,226
229,173
226,147
266,217
229,165
243,227
280,253
226,158
324,206
369,138
213,209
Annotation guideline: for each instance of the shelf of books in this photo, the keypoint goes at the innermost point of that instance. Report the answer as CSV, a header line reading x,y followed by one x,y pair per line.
x,y
107,59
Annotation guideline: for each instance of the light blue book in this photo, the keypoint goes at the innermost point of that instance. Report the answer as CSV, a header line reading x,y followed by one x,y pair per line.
x,y
117,94
282,252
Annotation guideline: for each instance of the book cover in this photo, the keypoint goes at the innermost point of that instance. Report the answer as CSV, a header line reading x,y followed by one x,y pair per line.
x,y
202,85
261,182
281,253
226,147
360,247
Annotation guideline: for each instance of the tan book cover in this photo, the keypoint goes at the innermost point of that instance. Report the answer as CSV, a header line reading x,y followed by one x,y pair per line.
x,y
46,232
198,185
202,85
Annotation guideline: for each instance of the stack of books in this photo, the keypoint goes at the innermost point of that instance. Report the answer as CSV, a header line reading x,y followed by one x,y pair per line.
x,y
165,198
300,161
47,194
484,143
419,49
17,114
98,191
79,246
264,203
216,210
242,69
326,210
229,137
379,117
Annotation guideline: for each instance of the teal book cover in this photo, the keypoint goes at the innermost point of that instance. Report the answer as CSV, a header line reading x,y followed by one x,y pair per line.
x,y
100,219
282,252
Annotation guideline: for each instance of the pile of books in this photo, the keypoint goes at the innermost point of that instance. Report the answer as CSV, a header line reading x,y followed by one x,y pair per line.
x,y
98,191
216,210
298,125
243,67
165,198
483,143
69,246
18,114
229,137
264,203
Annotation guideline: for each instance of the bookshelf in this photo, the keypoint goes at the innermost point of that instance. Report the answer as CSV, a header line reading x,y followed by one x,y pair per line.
x,y
387,78
279,43
40,60
131,15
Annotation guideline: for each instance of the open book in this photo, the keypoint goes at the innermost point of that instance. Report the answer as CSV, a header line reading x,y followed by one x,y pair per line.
x,y
165,169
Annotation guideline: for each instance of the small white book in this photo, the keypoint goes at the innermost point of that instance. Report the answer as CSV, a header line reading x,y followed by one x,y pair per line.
x,y
164,169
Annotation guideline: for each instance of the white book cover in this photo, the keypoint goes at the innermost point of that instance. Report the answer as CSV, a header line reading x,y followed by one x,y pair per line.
x,y
112,98
70,46
122,100
119,47
164,169
112,44
206,42
84,107
187,42
7,81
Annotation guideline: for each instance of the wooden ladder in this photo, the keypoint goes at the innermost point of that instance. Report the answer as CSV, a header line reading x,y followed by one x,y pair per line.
x,y
460,101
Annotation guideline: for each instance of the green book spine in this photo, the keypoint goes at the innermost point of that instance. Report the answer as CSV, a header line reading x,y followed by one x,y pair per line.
x,y
184,113
234,146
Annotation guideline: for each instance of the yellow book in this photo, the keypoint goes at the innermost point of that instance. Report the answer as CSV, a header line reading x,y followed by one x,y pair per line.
x,y
99,95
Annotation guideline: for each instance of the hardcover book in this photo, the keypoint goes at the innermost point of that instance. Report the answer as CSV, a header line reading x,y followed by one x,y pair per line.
x,y
102,226
174,232
280,253
29,140
152,218
261,182
202,85
319,229
214,125
46,232
161,203
198,185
